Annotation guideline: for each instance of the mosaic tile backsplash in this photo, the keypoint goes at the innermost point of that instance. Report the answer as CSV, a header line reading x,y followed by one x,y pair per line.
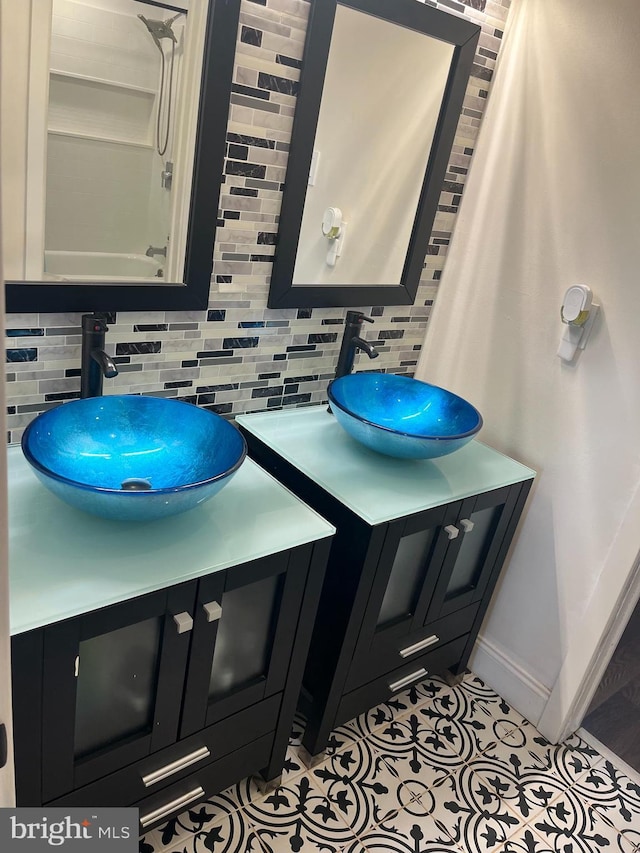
x,y
239,356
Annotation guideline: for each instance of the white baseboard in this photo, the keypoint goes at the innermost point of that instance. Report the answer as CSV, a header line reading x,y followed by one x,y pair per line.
x,y
508,678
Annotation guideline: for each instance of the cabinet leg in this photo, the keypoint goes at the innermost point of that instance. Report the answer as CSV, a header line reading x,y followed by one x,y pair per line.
x,y
309,760
266,786
317,733
452,678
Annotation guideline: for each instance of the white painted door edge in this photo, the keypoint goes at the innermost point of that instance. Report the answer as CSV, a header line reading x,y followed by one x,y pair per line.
x,y
614,598
7,783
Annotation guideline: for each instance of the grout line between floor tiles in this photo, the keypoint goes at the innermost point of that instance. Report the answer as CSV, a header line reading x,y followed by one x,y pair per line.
x,y
318,790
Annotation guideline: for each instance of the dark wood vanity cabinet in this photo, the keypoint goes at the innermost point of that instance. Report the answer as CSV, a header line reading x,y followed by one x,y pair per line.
x,y
419,589
426,596
401,599
164,699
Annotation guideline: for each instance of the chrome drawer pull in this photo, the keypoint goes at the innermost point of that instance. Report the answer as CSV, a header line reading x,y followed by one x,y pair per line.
x,y
175,766
452,531
407,680
213,611
184,622
467,525
173,806
417,647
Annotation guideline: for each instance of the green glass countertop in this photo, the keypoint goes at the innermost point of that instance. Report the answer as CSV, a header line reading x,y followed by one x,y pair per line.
x,y
378,488
63,562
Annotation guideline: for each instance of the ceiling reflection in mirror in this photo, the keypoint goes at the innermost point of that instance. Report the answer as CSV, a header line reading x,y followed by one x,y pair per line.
x,y
381,100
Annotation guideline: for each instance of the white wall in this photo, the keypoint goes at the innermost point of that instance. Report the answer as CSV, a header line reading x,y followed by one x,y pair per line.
x,y
14,47
552,200
107,43
97,195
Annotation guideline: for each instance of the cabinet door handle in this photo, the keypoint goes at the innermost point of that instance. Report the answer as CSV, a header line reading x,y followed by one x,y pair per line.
x,y
213,611
419,646
407,680
76,666
178,803
452,531
175,766
466,525
184,621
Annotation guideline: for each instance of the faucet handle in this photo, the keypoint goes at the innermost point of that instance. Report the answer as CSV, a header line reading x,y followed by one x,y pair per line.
x,y
356,317
94,323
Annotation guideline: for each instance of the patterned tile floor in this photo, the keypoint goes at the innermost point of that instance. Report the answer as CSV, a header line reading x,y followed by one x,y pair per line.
x,y
437,768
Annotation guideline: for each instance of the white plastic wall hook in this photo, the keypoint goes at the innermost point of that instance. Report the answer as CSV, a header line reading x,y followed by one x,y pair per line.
x,y
334,229
576,305
331,222
578,313
337,246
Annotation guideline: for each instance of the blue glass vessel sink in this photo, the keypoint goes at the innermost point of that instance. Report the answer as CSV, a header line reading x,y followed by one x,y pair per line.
x,y
402,417
133,458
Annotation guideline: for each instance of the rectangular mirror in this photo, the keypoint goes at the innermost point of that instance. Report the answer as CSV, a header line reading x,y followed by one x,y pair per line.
x,y
380,97
117,151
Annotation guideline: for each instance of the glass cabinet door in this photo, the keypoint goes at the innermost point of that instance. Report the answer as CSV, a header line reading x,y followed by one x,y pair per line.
x,y
472,553
244,641
468,565
245,622
116,688
404,579
113,681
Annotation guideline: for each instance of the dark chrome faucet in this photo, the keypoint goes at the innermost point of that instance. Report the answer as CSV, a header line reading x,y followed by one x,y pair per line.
x,y
96,364
352,342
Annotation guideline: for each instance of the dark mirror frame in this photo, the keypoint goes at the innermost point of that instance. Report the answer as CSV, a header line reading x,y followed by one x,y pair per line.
x,y
463,35
193,293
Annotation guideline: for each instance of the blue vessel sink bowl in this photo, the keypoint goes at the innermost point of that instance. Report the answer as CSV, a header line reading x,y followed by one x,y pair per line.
x,y
132,458
402,417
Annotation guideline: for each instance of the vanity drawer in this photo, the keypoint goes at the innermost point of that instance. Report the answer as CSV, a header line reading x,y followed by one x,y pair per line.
x,y
203,783
399,679
387,652
179,761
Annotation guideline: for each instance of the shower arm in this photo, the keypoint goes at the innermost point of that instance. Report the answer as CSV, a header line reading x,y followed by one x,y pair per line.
x,y
167,6
160,29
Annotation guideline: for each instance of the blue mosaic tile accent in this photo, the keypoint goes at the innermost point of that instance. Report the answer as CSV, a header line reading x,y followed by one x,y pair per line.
x,y
26,354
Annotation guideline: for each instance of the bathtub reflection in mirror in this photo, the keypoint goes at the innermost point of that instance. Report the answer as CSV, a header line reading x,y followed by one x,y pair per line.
x,y
114,94
120,144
